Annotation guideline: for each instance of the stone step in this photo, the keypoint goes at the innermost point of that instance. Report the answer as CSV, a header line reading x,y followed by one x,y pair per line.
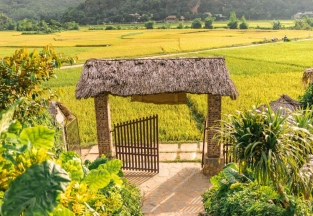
x,y
179,156
167,152
183,147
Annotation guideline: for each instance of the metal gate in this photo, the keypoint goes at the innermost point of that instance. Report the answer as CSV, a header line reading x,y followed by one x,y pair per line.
x,y
137,144
72,139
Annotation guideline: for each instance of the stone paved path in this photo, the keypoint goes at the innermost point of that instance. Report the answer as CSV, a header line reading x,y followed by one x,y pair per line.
x,y
175,191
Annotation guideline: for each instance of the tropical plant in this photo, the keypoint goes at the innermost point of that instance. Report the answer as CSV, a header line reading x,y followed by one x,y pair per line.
x,y
233,21
233,193
24,162
58,187
274,147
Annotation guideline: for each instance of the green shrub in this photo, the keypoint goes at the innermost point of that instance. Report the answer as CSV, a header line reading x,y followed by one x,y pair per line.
x,y
196,23
109,28
208,22
166,25
274,146
149,25
180,25
234,194
94,28
277,25
243,24
23,74
233,22
306,99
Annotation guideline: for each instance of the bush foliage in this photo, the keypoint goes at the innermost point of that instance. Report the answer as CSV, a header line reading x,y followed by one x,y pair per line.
x,y
236,194
22,75
271,151
196,23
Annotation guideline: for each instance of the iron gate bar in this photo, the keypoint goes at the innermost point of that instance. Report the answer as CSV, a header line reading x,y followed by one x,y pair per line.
x,y
136,144
72,137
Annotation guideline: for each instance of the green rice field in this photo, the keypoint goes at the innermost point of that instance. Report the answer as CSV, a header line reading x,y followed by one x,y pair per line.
x,y
261,72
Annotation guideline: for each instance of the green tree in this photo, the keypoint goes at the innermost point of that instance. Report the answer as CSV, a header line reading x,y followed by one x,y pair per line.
x,y
233,21
196,23
6,23
276,25
243,24
27,25
208,22
149,25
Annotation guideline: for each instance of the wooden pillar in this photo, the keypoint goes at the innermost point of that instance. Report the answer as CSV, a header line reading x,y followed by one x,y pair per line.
x,y
213,162
103,120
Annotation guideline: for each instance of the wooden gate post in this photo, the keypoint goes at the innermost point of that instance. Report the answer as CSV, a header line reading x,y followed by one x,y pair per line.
x,y
103,120
213,161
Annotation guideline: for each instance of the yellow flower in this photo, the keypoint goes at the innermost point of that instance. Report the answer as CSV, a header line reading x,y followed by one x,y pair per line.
x,y
78,208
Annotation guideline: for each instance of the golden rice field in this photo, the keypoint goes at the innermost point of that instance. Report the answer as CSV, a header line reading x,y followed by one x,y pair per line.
x,y
139,43
261,73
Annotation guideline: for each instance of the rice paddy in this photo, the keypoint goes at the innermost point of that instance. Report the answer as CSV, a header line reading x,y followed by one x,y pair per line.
x,y
260,73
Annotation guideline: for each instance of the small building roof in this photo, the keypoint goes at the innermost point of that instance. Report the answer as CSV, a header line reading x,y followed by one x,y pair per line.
x,y
285,102
128,77
171,17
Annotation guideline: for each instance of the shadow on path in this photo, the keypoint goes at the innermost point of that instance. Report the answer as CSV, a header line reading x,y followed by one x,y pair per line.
x,y
176,190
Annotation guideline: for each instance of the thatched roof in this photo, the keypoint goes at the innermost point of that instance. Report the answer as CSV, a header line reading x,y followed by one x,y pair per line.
x,y
154,76
285,102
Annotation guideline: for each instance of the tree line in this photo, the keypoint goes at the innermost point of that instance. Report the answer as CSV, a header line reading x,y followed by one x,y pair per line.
x,y
119,11
126,11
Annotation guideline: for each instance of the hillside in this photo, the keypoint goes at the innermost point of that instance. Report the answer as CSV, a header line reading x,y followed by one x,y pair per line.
x,y
36,9
98,11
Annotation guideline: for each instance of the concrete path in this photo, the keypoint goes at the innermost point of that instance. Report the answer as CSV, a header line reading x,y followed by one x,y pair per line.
x,y
175,191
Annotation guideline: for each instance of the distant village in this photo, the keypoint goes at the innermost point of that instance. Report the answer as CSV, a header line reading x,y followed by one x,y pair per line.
x,y
174,18
299,15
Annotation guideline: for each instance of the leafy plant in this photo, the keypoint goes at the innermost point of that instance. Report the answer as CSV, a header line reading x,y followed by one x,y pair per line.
x,y
35,192
235,195
274,147
23,74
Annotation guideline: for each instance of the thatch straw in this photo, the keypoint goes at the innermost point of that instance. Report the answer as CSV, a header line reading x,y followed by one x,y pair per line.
x,y
153,76
65,111
307,77
286,103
